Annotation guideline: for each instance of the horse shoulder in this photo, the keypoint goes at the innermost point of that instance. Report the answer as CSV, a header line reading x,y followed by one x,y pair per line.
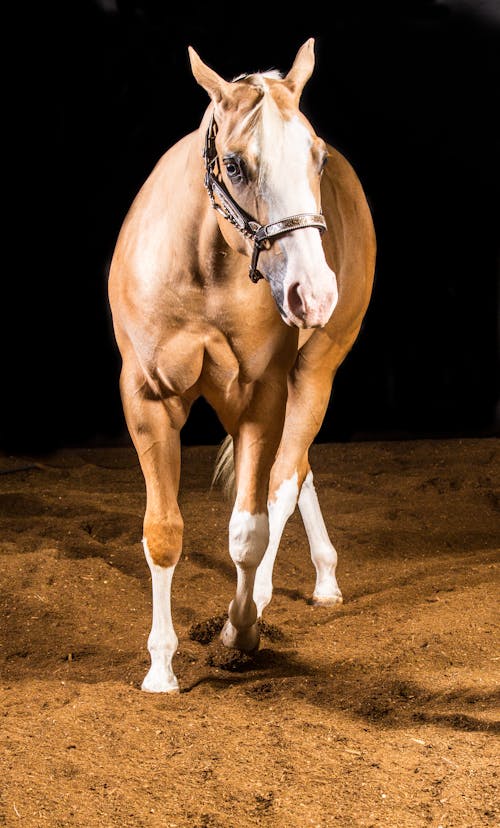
x,y
350,241
350,250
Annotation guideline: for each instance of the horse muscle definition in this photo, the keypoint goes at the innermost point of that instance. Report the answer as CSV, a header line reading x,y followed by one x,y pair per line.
x,y
252,192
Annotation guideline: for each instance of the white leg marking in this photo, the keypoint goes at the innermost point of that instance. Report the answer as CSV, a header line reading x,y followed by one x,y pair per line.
x,y
162,641
248,538
279,512
323,554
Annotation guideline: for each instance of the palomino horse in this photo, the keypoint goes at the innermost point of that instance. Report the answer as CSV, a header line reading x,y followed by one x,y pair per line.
x,y
253,185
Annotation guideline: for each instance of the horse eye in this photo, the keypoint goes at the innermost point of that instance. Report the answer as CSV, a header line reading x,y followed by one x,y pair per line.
x,y
324,162
234,169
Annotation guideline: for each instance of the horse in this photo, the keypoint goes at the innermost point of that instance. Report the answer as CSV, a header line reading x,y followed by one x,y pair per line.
x,y
241,274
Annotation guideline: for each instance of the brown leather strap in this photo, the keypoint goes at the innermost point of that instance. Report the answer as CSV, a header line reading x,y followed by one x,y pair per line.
x,y
286,225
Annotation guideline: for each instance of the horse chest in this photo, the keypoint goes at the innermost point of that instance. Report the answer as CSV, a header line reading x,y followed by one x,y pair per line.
x,y
204,360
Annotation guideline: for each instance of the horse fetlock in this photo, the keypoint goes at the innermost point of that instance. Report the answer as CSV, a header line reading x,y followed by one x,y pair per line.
x,y
242,615
162,645
162,642
245,639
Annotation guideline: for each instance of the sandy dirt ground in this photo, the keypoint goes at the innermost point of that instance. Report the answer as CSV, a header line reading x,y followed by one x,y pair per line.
x,y
383,712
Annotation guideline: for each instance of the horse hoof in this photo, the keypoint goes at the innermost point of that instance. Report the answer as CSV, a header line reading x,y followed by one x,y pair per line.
x,y
327,600
246,640
156,683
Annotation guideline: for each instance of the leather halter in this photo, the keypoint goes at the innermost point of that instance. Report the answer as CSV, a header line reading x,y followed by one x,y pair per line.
x,y
261,235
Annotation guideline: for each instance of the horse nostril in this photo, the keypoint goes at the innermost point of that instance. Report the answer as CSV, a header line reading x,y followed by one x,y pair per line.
x,y
296,302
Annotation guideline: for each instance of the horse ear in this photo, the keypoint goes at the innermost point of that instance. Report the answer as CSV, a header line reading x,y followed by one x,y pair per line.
x,y
211,82
302,69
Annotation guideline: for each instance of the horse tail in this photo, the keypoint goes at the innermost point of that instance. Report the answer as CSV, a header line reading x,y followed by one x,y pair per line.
x,y
224,475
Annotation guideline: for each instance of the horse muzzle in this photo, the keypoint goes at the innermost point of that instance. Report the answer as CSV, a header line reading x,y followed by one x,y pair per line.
x,y
309,308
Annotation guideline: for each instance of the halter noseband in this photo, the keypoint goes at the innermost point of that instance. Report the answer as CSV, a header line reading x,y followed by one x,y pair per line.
x,y
261,235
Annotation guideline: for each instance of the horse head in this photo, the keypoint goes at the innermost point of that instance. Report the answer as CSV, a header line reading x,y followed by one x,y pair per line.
x,y
264,167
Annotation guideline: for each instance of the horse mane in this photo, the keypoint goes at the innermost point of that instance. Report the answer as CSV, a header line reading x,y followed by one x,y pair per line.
x,y
255,77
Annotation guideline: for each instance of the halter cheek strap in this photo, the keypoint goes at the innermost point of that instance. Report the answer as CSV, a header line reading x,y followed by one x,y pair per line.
x,y
261,235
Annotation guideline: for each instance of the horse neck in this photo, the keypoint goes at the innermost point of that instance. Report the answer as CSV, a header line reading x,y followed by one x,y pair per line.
x,y
176,195
214,252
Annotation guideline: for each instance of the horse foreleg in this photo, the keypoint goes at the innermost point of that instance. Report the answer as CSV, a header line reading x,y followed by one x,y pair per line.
x,y
248,536
154,427
323,552
292,481
281,505
162,640
255,445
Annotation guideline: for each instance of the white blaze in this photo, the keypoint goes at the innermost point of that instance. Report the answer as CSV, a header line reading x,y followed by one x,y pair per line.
x,y
300,274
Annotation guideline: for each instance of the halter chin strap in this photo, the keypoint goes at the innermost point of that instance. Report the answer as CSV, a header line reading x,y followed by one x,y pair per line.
x,y
261,235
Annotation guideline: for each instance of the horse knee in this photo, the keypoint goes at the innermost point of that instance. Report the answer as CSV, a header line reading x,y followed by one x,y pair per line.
x,y
248,538
164,540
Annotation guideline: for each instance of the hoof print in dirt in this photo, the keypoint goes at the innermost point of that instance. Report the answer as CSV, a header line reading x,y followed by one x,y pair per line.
x,y
204,632
237,661
271,631
234,661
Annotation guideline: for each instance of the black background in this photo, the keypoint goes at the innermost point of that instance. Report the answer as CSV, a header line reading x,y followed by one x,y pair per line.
x,y
407,91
